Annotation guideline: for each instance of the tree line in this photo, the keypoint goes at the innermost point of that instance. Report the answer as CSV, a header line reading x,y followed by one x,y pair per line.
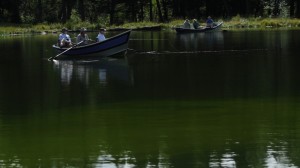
x,y
120,11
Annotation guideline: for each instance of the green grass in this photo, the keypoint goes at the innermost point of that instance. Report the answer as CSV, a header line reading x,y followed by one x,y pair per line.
x,y
136,25
13,29
262,23
236,22
251,23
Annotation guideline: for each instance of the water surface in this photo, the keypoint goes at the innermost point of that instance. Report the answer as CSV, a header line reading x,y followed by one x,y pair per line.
x,y
223,99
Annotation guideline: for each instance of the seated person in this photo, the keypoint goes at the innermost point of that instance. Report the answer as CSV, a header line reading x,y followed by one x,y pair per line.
x,y
101,36
64,39
209,22
196,24
186,24
82,36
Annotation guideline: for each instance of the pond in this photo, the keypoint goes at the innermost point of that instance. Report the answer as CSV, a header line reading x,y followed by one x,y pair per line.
x,y
221,99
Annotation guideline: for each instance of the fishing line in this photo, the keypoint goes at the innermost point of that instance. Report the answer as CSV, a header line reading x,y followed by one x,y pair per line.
x,y
192,52
148,39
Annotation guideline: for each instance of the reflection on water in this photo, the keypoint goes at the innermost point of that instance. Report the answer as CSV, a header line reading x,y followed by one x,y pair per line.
x,y
277,155
102,76
84,71
226,160
107,160
201,41
66,71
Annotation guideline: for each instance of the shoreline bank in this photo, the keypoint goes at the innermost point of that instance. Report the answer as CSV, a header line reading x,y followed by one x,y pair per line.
x,y
234,24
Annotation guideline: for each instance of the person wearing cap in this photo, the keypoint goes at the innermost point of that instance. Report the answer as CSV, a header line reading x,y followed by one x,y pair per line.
x,y
82,36
101,36
64,39
209,22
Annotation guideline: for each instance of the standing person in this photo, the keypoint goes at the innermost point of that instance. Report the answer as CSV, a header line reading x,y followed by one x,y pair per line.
x,y
82,36
64,39
209,22
186,24
196,24
101,36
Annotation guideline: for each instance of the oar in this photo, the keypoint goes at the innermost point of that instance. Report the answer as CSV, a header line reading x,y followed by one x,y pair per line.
x,y
51,58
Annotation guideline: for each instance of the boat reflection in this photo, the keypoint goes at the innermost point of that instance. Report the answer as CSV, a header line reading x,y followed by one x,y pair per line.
x,y
225,160
102,76
277,155
200,41
66,71
88,72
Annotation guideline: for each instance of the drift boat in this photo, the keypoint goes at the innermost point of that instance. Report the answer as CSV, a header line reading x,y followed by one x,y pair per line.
x,y
108,47
205,29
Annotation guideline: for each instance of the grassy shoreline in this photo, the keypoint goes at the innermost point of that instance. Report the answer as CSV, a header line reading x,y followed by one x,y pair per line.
x,y
234,23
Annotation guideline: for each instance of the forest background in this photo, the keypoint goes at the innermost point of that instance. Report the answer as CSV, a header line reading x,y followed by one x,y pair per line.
x,y
53,14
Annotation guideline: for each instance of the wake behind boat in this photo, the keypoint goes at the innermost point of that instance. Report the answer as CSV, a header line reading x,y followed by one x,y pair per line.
x,y
108,47
205,29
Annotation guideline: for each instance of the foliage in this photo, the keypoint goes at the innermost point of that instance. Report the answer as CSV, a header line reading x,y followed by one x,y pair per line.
x,y
115,12
139,24
51,15
175,23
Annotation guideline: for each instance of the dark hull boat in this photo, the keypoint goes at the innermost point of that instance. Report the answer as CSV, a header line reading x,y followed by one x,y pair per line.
x,y
205,29
109,47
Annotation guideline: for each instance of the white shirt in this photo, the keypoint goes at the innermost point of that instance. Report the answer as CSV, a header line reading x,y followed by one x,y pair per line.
x,y
64,36
101,37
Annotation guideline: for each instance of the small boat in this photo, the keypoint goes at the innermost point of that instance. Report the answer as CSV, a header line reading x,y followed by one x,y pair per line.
x,y
108,47
205,29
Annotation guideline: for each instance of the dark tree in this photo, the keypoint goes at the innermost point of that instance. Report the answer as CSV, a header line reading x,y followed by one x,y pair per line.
x,y
298,8
16,17
63,12
66,9
160,16
210,6
120,11
141,11
81,9
175,6
150,10
39,11
165,8
112,12
292,8
276,11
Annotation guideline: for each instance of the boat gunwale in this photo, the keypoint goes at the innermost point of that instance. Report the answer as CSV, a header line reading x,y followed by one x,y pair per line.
x,y
86,47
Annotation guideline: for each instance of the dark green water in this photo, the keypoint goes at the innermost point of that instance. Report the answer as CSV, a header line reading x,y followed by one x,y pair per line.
x,y
223,99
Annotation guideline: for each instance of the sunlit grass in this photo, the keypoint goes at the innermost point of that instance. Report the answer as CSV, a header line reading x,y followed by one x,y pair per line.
x,y
262,23
136,25
236,22
14,29
175,23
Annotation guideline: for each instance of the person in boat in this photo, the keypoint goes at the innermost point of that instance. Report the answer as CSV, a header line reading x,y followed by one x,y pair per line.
x,y
196,24
82,36
186,24
101,36
64,39
209,22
